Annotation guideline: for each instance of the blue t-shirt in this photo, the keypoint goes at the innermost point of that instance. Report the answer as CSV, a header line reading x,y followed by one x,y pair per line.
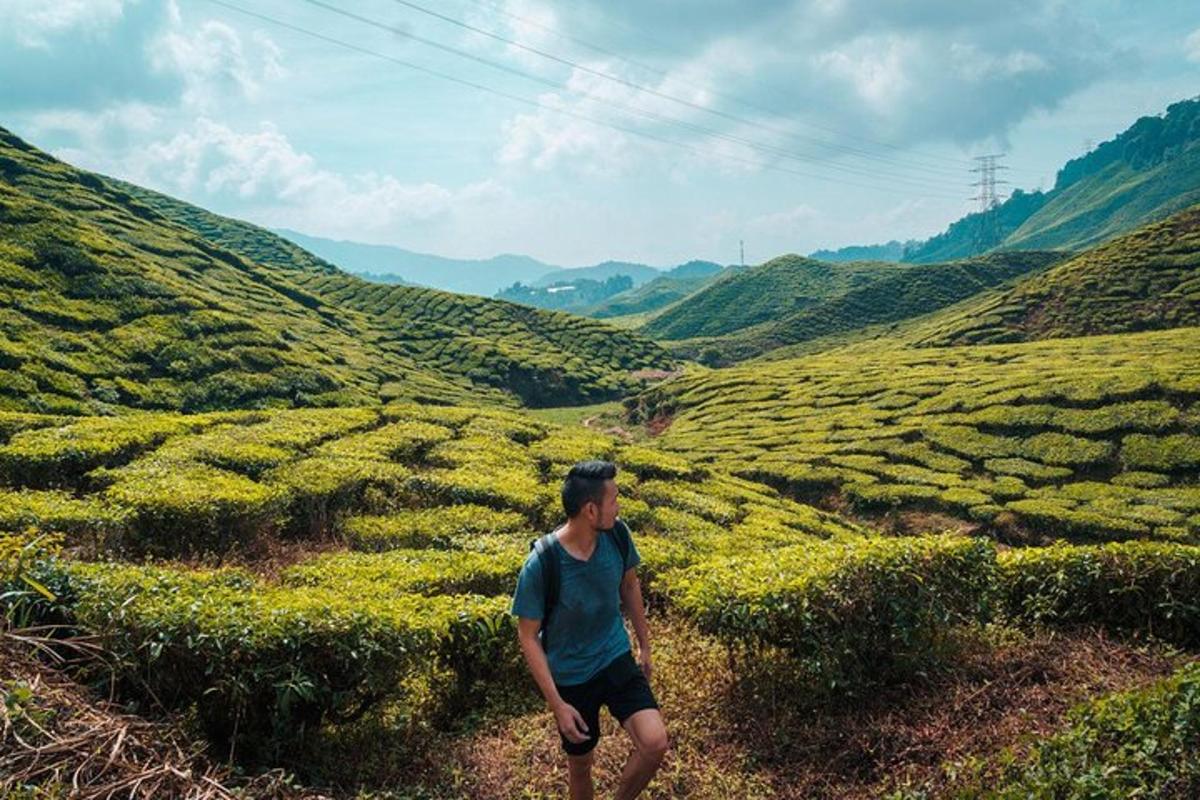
x,y
585,631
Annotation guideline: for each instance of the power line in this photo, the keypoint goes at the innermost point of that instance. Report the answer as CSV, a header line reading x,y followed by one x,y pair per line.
x,y
536,104
689,126
845,149
951,167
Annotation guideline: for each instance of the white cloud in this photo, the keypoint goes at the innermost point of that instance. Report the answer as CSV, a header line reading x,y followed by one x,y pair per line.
x,y
213,59
1191,46
32,22
214,165
796,221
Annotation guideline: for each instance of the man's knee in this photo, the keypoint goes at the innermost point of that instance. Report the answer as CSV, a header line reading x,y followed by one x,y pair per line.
x,y
654,746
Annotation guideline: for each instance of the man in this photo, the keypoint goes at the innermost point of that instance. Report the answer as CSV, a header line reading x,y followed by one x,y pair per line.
x,y
587,660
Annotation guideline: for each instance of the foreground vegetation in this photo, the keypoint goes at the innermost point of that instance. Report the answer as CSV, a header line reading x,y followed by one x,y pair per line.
x,y
411,522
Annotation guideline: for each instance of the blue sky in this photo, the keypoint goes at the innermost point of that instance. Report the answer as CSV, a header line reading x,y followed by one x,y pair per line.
x,y
653,131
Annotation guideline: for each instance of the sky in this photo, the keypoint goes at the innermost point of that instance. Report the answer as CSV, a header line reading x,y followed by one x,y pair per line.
x,y
655,131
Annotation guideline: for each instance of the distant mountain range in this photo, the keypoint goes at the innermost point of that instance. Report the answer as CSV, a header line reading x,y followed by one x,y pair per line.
x,y
609,289
389,264
1142,175
487,277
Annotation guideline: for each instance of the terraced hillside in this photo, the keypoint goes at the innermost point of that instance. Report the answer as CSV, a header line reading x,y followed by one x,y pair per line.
x,y
767,292
1090,437
107,303
1145,280
435,504
902,293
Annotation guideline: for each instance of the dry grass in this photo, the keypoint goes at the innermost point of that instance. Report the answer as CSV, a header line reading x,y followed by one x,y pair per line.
x,y
58,737
758,737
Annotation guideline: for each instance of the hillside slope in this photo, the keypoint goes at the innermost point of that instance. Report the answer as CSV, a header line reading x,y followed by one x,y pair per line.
x,y
1145,280
661,292
902,293
111,300
1146,173
781,286
1091,437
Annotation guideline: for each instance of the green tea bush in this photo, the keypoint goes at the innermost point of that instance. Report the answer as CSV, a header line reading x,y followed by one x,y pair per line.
x,y
86,520
180,507
1162,454
263,666
411,571
1149,587
456,527
1138,743
60,455
850,613
318,490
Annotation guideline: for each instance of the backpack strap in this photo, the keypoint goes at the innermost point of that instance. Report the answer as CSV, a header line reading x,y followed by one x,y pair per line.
x,y
622,539
544,547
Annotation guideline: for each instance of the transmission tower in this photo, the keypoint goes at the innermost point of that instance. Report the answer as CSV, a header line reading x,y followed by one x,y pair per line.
x,y
987,232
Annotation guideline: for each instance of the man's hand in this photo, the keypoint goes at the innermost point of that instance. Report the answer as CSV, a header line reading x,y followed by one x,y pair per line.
x,y
644,661
570,723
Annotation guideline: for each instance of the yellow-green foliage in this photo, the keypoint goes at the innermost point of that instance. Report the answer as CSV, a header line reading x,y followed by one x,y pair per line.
x,y
848,611
117,297
263,663
1092,437
1149,587
1138,743
1144,280
340,631
411,571
458,527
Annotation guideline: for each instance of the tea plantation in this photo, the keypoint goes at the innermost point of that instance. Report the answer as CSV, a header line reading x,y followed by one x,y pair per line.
x,y
436,505
107,304
433,508
1085,438
282,510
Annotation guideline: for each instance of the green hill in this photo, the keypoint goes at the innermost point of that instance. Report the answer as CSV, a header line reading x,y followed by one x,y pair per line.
x,y
114,297
1145,280
658,293
765,293
1146,173
898,294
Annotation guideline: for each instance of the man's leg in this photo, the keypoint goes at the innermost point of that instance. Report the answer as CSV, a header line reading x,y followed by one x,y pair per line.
x,y
649,737
579,776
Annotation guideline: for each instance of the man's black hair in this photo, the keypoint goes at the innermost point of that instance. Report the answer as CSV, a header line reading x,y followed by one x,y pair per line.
x,y
584,483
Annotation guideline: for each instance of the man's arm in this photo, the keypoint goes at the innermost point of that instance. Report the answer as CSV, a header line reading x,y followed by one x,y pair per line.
x,y
631,599
568,719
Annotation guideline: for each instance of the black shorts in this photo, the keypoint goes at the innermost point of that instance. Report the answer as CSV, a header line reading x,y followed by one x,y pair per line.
x,y
621,685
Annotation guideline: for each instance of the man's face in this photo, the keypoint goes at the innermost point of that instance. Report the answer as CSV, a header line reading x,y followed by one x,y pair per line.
x,y
606,511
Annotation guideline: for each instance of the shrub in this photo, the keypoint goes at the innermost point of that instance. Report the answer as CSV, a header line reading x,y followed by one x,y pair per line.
x,y
1162,454
442,527
264,666
396,572
179,507
850,613
1139,743
1149,587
